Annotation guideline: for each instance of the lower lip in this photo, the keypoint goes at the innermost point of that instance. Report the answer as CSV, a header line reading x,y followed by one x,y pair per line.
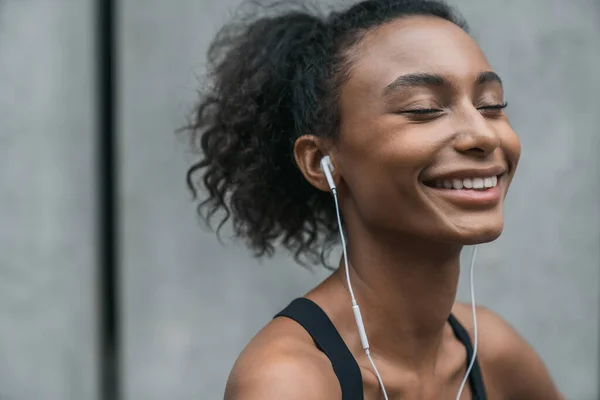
x,y
470,197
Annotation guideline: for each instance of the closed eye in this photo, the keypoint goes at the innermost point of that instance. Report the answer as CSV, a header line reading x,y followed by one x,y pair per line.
x,y
421,111
434,111
494,107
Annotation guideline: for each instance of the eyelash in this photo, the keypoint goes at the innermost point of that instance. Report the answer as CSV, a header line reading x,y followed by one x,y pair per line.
x,y
494,106
425,111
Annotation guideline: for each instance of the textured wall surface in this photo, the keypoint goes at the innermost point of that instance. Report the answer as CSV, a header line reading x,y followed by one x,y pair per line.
x,y
47,255
192,304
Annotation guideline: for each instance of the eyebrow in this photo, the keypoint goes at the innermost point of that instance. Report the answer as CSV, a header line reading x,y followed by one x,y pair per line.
x,y
488,77
426,79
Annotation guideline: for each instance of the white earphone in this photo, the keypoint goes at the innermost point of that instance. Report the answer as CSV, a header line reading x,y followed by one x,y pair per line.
x,y
327,168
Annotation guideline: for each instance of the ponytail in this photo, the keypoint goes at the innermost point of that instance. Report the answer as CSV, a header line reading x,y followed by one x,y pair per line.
x,y
265,92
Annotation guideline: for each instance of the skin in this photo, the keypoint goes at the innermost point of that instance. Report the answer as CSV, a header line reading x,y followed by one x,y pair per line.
x,y
405,238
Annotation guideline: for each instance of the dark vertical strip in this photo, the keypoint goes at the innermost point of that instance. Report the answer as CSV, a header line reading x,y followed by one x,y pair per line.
x,y
108,289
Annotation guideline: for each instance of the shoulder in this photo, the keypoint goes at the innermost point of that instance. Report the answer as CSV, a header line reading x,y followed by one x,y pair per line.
x,y
508,362
498,341
282,362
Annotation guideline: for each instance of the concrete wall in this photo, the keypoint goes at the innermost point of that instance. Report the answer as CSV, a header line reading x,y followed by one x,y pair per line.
x,y
47,253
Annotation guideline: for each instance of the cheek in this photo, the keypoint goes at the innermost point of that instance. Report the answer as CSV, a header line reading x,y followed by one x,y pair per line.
x,y
389,147
511,146
382,170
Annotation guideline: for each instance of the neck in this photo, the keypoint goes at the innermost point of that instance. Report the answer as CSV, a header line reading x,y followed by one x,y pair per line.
x,y
406,288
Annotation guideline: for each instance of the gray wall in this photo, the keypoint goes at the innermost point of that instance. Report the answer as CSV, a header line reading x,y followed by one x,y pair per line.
x,y
190,304
47,254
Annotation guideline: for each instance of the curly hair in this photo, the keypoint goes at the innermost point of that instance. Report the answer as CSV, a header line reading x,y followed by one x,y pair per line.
x,y
273,76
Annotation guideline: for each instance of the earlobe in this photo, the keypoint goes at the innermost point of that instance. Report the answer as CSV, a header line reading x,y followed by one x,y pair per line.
x,y
309,151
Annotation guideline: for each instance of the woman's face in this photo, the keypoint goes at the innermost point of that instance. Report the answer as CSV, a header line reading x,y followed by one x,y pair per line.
x,y
424,146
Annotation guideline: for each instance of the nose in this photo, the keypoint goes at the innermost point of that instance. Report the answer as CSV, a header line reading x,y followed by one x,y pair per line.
x,y
476,137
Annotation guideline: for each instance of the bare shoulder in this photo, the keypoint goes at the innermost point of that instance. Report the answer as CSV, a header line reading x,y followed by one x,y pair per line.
x,y
508,362
497,339
282,362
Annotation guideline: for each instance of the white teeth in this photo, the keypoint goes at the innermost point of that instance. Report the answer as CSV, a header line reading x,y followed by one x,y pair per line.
x,y
468,183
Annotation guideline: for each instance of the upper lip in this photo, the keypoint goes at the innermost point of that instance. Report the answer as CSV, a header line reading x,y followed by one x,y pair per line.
x,y
468,173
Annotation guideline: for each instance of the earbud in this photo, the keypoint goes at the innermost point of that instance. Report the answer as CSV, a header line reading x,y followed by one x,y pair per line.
x,y
327,168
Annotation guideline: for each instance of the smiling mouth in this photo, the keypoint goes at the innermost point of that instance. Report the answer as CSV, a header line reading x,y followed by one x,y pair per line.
x,y
479,184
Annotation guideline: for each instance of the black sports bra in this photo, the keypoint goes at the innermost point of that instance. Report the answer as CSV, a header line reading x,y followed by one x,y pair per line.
x,y
327,339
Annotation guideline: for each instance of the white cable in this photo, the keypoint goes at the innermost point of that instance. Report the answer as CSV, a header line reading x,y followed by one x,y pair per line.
x,y
357,315
339,219
377,374
472,288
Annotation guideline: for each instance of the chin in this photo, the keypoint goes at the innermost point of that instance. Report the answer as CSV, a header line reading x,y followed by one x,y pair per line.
x,y
482,238
479,233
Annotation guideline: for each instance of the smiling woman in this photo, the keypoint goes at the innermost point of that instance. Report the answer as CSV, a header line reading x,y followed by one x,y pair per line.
x,y
410,114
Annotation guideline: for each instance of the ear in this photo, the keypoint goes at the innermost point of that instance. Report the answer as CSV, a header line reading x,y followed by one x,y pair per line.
x,y
308,152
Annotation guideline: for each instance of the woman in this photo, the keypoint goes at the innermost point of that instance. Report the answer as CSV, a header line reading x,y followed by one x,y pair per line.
x,y
399,105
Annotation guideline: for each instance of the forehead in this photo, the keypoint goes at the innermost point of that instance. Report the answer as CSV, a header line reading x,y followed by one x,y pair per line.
x,y
415,44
